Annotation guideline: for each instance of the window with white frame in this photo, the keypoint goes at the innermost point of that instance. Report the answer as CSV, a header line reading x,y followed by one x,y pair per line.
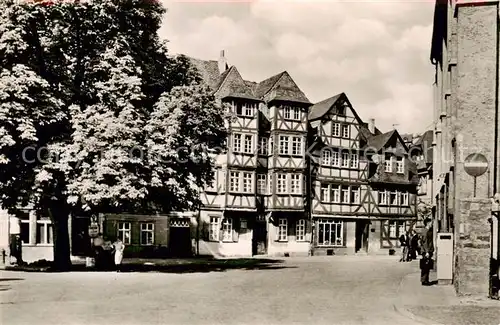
x,y
234,182
330,232
388,164
354,160
44,232
382,197
345,194
248,148
283,145
345,159
335,196
400,167
325,193
394,198
336,129
227,229
281,183
238,108
326,157
295,183
237,142
355,194
296,146
296,113
147,233
392,229
287,112
282,229
247,183
249,109
405,198
214,229
335,158
264,142
300,230
262,184
124,232
345,130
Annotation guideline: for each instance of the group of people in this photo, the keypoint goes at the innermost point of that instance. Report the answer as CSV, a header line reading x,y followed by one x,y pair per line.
x,y
108,255
413,244
410,246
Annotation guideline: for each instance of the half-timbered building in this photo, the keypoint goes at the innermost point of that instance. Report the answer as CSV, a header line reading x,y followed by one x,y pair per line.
x,y
301,178
362,183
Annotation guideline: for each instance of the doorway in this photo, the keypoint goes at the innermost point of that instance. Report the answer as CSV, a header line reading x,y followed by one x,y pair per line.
x,y
180,242
259,240
362,232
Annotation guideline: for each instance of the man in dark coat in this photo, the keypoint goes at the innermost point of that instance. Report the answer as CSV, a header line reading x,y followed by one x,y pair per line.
x,y
403,241
426,263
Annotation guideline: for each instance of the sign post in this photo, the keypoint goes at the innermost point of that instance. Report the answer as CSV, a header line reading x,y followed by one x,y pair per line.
x,y
475,165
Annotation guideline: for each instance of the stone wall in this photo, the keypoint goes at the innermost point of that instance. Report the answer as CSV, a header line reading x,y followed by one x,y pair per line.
x,y
472,247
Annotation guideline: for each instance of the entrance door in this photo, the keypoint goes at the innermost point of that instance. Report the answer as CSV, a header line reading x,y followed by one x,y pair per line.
x,y
80,239
180,238
362,231
259,240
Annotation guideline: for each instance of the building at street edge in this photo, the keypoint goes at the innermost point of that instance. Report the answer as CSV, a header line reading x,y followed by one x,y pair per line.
x,y
297,179
465,53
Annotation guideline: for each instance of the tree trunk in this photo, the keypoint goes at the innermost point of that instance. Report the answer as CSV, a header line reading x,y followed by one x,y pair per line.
x,y
62,260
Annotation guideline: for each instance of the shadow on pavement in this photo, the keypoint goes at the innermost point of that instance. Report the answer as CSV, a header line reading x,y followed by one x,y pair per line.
x,y
10,279
189,265
205,266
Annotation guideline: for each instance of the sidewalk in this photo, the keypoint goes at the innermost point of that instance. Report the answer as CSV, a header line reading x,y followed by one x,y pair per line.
x,y
438,304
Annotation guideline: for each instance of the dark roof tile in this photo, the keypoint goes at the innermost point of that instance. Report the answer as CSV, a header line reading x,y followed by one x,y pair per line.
x,y
318,110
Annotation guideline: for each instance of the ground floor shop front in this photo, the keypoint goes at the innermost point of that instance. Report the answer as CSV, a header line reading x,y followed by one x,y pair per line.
x,y
215,233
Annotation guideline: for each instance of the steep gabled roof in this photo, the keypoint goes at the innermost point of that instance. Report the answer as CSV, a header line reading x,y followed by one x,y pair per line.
x,y
378,142
231,84
280,87
318,110
265,86
209,71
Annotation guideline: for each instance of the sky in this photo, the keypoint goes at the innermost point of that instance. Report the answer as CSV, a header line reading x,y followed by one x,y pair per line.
x,y
377,52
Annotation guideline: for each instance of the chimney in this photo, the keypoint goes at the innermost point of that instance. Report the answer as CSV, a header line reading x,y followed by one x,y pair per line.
x,y
371,125
222,62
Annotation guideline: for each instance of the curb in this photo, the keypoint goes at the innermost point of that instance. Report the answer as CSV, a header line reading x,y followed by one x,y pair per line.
x,y
406,313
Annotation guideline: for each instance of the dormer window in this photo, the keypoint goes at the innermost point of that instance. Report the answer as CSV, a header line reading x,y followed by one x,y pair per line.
x,y
388,164
244,109
291,113
345,131
400,165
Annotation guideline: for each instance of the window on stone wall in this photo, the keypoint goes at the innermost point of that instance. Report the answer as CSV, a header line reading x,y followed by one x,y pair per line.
x,y
147,233
227,229
282,229
300,230
44,232
214,229
330,232
25,227
124,232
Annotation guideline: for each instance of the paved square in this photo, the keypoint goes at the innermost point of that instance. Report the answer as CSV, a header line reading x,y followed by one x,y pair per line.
x,y
313,290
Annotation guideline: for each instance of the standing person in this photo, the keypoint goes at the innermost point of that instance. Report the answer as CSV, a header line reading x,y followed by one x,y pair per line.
x,y
97,244
426,263
403,240
119,247
414,245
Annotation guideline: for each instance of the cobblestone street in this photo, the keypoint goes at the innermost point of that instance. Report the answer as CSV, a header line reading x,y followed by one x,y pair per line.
x,y
329,290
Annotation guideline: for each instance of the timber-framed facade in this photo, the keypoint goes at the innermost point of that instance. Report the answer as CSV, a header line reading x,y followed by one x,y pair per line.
x,y
301,178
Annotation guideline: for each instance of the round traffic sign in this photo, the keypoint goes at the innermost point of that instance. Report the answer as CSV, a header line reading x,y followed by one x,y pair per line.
x,y
476,164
